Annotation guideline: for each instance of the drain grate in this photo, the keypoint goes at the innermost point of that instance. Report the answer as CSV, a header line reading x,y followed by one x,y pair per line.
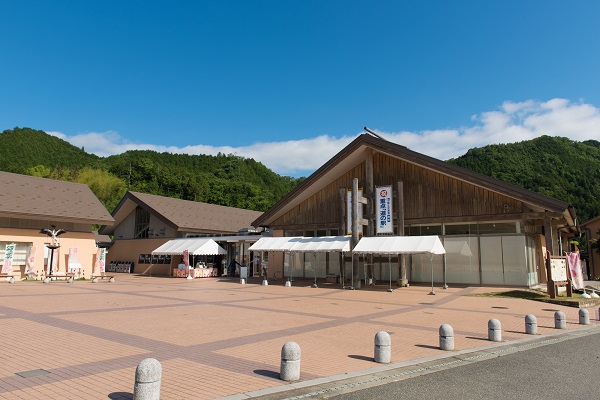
x,y
33,373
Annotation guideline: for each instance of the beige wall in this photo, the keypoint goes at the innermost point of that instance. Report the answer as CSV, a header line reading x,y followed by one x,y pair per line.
x,y
84,242
129,250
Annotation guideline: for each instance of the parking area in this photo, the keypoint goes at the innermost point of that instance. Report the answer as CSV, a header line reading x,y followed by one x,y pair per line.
x,y
215,337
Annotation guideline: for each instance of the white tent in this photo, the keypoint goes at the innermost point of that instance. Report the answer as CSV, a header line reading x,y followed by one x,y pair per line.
x,y
323,244
195,246
275,243
399,245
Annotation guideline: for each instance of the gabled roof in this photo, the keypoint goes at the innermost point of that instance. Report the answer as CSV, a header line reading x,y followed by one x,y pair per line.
x,y
355,153
31,197
185,215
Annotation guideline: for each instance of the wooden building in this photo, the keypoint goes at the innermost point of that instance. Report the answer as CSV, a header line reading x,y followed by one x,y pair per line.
x,y
494,233
144,222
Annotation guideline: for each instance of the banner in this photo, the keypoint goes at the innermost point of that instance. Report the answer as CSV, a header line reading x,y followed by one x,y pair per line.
x,y
74,258
29,268
385,223
9,253
349,213
575,269
100,265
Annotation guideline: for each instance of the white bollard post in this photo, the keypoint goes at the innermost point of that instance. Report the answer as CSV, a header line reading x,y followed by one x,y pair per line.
x,y
494,330
446,338
147,380
383,347
584,316
531,327
290,362
560,321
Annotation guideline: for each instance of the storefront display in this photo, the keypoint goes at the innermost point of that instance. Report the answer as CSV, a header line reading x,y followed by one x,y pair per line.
x,y
196,272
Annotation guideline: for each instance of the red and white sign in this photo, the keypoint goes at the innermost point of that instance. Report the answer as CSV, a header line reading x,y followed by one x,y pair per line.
x,y
383,209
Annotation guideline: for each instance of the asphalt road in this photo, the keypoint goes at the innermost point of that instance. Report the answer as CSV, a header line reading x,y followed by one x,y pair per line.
x,y
568,369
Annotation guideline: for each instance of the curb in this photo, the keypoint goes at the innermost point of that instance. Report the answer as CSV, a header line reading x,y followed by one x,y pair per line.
x,y
380,375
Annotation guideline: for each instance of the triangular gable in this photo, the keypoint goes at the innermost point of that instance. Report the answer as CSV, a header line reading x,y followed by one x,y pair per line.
x,y
356,153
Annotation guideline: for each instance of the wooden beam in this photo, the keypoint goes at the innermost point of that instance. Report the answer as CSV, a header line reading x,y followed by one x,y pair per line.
x,y
490,217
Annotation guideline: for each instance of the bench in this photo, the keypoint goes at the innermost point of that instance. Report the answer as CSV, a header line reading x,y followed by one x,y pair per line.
x,y
10,277
69,276
111,278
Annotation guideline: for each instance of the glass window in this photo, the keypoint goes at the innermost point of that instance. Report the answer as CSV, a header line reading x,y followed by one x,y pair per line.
x,y
19,255
321,232
497,228
142,223
461,229
422,267
462,260
492,271
514,254
424,230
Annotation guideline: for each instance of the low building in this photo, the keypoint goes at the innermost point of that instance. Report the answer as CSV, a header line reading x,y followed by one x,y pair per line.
x,y
494,233
29,204
144,222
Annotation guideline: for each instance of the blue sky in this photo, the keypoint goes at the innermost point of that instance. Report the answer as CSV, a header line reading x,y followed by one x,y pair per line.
x,y
289,83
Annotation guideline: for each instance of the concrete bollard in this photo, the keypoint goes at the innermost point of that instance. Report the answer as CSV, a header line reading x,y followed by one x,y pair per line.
x,y
494,330
243,281
147,380
290,362
95,280
560,321
446,337
265,282
288,284
531,327
598,313
584,316
383,347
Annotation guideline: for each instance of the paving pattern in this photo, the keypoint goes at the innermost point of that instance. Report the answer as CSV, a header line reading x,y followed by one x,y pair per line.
x,y
215,337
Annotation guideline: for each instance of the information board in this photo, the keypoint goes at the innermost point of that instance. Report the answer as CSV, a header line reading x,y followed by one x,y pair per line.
x,y
558,269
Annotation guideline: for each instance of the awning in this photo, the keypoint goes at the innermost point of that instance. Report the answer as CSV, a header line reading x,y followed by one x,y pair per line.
x,y
275,243
399,245
195,246
323,244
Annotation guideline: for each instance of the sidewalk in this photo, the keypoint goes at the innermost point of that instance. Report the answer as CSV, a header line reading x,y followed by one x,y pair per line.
x,y
217,338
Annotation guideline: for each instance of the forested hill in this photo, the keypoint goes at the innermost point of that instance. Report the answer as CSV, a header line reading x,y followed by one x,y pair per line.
x,y
553,166
226,180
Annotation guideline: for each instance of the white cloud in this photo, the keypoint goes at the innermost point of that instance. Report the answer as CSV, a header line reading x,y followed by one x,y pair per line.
x,y
512,122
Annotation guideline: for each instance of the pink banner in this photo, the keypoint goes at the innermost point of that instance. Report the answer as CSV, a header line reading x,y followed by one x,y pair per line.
x,y
575,269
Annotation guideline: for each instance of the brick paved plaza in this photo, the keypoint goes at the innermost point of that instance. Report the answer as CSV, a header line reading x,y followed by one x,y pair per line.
x,y
216,337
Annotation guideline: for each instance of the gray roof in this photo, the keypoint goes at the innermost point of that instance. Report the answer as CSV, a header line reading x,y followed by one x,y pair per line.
x,y
31,197
186,215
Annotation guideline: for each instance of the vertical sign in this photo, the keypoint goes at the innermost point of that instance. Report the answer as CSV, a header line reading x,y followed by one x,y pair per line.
x,y
8,258
349,213
383,200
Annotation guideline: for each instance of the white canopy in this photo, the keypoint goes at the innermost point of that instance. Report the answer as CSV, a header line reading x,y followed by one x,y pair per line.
x,y
275,243
195,246
399,245
323,244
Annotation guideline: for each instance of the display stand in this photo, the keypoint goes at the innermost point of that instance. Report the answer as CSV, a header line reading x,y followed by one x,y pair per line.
x,y
558,275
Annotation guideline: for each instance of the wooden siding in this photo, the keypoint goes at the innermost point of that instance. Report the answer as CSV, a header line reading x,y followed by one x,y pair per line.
x,y
427,195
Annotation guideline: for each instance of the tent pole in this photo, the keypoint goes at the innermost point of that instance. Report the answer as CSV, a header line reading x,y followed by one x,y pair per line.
x,y
431,262
390,267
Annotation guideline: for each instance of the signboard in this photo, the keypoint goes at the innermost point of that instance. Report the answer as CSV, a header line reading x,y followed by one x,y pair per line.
x,y
349,213
9,253
558,269
385,223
